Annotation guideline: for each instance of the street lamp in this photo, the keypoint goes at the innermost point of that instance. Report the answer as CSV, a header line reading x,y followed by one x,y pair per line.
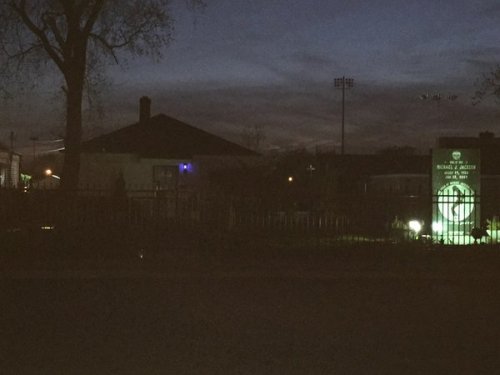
x,y
343,83
48,173
415,226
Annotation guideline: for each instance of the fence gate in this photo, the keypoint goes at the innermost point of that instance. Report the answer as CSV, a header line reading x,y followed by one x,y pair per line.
x,y
456,217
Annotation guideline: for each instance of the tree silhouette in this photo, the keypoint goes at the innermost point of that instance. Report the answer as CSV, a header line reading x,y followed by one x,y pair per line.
x,y
78,37
487,85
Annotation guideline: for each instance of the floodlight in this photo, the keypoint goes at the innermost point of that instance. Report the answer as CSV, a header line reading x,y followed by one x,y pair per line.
x,y
415,226
343,83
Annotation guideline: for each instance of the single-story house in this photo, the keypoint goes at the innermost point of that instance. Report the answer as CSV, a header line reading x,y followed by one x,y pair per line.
x,y
157,153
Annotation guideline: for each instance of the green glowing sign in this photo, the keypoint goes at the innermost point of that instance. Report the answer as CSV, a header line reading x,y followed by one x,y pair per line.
x,y
461,205
455,187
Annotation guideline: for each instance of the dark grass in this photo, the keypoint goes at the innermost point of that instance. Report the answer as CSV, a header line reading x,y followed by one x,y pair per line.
x,y
249,325
246,307
206,252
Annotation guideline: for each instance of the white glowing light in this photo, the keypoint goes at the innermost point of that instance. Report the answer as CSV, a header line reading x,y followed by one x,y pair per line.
x,y
437,227
415,226
48,172
290,179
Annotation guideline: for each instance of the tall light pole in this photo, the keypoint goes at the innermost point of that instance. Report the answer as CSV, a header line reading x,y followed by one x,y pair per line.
x,y
343,83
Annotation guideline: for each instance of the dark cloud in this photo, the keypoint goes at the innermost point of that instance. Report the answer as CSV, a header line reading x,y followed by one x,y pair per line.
x,y
272,64
376,116
489,10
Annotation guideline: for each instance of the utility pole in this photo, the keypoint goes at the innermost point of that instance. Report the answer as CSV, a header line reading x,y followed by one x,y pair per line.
x,y
9,182
343,83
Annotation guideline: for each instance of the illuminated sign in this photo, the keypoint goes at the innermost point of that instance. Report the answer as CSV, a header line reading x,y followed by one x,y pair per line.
x,y
456,192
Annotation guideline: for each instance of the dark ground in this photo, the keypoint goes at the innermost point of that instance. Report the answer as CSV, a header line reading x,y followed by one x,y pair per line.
x,y
350,311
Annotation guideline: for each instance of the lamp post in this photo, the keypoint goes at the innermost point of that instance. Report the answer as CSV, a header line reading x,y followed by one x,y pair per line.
x,y
48,173
343,83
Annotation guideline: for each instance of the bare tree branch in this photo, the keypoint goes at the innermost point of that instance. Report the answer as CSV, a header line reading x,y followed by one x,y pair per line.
x,y
94,13
21,11
49,20
110,49
488,86
80,37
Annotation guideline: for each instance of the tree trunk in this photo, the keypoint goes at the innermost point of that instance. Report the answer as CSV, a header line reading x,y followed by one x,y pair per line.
x,y
73,136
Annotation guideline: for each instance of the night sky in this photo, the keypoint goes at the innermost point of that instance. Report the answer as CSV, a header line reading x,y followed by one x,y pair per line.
x,y
271,64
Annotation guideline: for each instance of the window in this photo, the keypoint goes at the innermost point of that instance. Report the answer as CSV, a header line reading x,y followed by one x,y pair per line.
x,y
165,176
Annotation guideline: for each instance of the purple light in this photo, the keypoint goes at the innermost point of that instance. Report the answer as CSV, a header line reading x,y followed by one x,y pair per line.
x,y
185,168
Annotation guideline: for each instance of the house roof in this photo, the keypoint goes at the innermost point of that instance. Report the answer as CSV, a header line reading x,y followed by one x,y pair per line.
x,y
162,136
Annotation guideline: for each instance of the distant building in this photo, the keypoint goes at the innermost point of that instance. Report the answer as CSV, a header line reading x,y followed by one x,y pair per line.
x,y
409,174
375,188
157,153
485,141
362,174
400,184
9,168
